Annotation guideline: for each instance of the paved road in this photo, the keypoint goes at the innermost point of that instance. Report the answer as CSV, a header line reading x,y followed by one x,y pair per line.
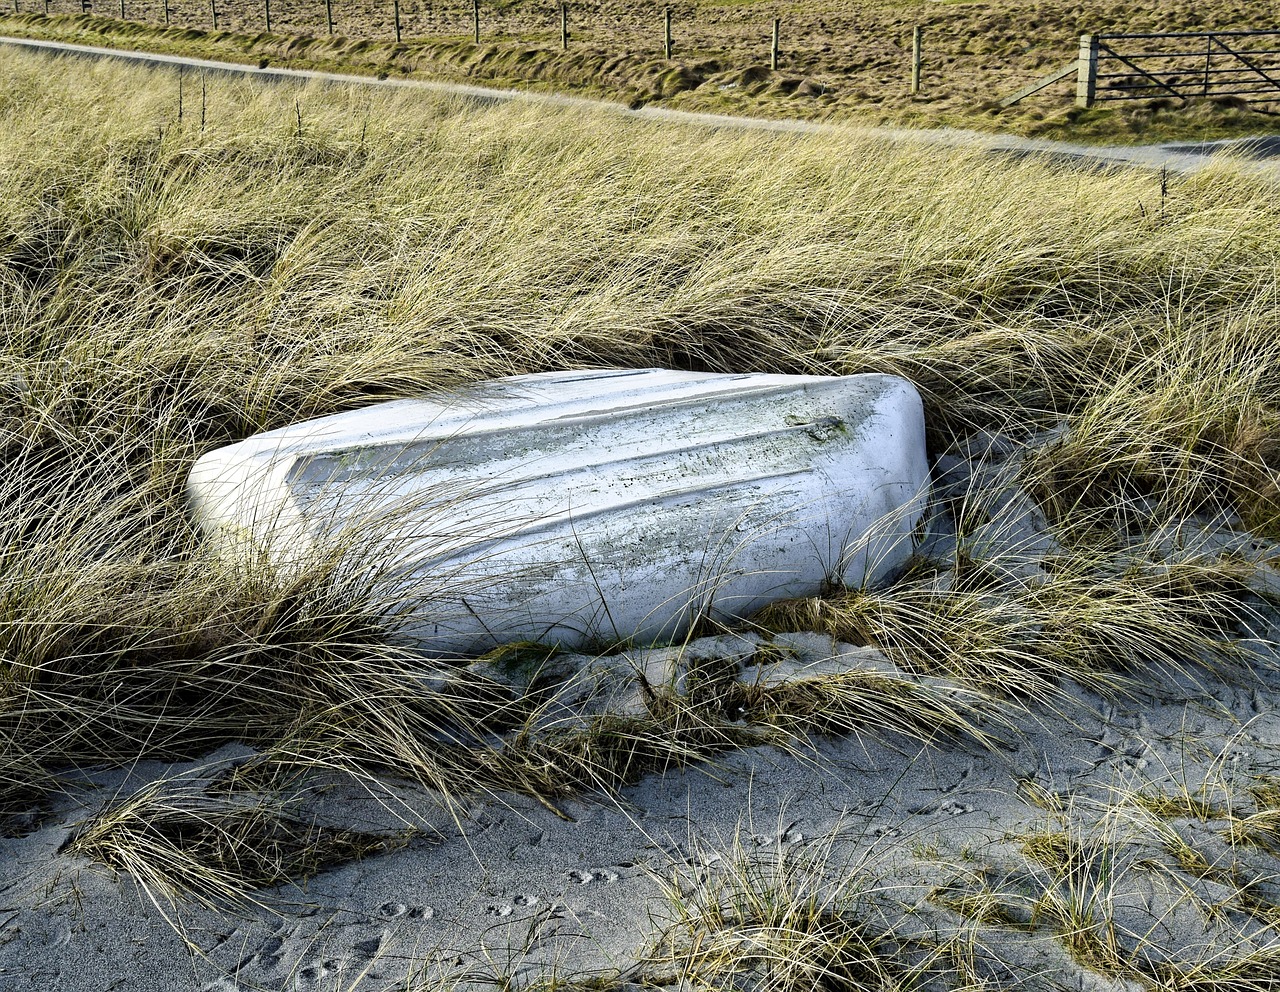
x,y
1260,155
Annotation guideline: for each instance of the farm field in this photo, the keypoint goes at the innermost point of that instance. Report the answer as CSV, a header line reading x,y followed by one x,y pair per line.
x,y
839,59
1046,753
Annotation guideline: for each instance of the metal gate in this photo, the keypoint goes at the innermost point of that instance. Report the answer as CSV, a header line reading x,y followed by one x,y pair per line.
x,y
1184,65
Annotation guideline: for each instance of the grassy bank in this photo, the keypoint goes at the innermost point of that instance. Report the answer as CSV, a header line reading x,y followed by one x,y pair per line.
x,y
174,279
841,60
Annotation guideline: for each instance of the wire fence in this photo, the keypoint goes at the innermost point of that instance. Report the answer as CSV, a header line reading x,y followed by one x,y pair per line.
x,y
560,24
1238,64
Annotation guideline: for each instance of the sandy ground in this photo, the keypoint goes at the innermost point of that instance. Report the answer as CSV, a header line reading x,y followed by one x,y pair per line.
x,y
505,890
1092,843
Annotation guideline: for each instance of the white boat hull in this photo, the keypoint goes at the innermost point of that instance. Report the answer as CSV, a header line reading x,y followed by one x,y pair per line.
x,y
588,507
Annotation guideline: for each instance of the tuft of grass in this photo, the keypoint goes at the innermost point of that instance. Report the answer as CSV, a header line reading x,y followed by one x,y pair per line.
x,y
1180,805
778,920
1027,643
866,702
1185,430
24,796
213,850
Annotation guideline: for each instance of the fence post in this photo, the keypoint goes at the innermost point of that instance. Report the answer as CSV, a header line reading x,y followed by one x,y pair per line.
x,y
666,33
395,7
213,9
564,27
328,14
1087,71
266,10
1208,62
917,54
475,19
773,50
166,12
122,17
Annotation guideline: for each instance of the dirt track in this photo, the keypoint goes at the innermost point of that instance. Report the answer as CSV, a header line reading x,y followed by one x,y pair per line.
x,y
1264,151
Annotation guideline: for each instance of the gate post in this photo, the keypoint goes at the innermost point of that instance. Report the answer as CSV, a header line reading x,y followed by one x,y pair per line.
x,y
917,56
1087,71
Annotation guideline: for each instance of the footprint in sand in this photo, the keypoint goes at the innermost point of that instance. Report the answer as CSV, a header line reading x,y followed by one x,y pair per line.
x,y
500,911
396,910
526,900
313,976
587,877
61,938
265,958
365,954
950,809
367,950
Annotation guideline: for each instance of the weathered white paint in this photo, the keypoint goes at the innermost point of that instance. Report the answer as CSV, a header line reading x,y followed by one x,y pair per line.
x,y
586,506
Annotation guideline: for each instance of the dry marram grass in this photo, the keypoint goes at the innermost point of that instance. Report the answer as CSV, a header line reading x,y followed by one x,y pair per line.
x,y
170,284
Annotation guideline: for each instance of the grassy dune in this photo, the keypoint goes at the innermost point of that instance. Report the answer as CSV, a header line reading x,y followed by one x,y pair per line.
x,y
170,283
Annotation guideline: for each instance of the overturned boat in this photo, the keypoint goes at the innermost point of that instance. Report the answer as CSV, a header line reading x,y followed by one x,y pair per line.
x,y
584,508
